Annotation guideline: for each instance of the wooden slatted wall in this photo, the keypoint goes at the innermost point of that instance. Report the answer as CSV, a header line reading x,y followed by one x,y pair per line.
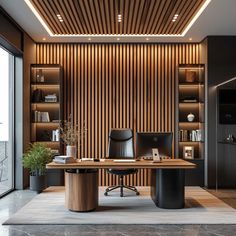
x,y
118,86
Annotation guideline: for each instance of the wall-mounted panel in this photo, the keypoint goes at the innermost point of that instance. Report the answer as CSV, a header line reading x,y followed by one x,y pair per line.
x,y
11,37
118,86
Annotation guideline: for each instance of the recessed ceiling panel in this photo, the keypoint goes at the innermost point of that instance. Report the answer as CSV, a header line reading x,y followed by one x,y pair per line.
x,y
117,17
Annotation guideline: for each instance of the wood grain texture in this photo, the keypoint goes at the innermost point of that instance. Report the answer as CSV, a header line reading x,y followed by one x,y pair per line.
x,y
81,191
101,17
118,86
105,164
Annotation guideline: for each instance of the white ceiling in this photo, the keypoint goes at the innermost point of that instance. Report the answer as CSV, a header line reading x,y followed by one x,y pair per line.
x,y
219,18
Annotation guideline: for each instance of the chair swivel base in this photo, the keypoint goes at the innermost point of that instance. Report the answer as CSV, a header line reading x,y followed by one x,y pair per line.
x,y
109,189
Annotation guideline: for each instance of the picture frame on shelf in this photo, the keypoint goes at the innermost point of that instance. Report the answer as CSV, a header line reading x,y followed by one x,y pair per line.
x,y
188,152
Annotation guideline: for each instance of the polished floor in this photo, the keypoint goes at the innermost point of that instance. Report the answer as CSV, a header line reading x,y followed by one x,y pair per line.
x,y
14,201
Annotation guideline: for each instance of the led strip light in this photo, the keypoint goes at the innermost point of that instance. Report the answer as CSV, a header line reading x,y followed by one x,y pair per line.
x,y
203,7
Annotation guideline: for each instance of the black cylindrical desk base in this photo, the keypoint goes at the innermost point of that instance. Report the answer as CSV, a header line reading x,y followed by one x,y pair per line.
x,y
167,188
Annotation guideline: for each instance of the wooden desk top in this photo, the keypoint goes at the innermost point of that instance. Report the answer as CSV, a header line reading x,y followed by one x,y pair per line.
x,y
108,163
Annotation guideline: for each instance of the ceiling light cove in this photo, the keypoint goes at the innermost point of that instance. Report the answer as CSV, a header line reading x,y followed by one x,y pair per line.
x,y
82,19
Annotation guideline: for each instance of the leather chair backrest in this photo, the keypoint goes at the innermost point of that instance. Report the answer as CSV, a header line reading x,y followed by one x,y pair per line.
x,y
121,144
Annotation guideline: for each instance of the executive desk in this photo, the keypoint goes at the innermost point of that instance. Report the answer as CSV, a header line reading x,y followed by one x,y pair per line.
x,y
81,181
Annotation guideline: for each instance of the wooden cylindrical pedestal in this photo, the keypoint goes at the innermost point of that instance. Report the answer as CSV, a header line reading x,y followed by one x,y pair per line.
x,y
81,190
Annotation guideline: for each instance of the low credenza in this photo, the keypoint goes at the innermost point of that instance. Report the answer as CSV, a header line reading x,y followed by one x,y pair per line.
x,y
81,181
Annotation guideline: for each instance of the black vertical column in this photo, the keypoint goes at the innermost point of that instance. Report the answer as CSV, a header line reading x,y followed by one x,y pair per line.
x,y
167,188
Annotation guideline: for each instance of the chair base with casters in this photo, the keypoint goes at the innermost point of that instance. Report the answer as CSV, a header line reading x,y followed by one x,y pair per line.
x,y
121,182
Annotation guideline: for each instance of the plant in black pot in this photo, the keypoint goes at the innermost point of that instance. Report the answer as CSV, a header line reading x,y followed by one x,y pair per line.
x,y
35,159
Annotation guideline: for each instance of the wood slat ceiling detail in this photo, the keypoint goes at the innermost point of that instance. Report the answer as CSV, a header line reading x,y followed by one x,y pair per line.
x,y
89,17
118,86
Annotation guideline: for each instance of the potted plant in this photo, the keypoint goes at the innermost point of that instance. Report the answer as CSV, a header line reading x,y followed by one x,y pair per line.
x,y
71,135
35,159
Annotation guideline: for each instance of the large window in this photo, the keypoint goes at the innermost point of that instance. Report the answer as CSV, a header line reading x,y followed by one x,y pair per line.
x,y
6,121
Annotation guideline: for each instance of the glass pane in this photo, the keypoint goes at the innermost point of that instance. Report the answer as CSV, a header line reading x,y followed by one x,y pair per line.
x,y
6,121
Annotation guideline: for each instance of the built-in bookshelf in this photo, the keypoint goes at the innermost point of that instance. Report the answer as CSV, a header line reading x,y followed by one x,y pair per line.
x,y
190,119
46,105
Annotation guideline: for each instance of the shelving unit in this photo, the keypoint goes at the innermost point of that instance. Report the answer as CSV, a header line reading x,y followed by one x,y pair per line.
x,y
47,111
190,136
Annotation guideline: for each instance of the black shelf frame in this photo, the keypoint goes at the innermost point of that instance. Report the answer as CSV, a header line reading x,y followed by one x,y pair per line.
x,y
196,90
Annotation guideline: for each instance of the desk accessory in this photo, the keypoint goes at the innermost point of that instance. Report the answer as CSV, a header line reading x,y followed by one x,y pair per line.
x,y
148,158
87,159
155,155
124,160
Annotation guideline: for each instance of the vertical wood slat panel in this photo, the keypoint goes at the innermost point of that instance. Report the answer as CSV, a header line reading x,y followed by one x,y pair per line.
x,y
118,86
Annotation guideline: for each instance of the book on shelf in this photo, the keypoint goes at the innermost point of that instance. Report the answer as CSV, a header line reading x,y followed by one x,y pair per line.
x,y
63,159
45,117
190,135
40,116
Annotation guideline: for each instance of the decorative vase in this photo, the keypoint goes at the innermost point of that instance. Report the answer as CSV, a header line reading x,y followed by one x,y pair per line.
x,y
71,151
190,117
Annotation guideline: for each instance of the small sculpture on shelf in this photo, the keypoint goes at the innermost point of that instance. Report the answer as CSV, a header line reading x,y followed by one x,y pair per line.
x,y
230,138
190,117
39,76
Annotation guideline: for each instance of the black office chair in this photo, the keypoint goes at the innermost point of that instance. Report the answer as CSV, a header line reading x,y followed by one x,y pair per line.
x,y
121,146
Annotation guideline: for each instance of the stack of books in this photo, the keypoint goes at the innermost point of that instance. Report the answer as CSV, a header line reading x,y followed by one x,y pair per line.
x,y
51,98
64,159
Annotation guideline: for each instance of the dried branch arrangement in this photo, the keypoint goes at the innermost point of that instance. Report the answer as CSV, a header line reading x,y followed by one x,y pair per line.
x,y
70,132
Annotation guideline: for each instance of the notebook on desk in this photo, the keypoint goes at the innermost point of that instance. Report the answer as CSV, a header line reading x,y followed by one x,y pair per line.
x,y
124,160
